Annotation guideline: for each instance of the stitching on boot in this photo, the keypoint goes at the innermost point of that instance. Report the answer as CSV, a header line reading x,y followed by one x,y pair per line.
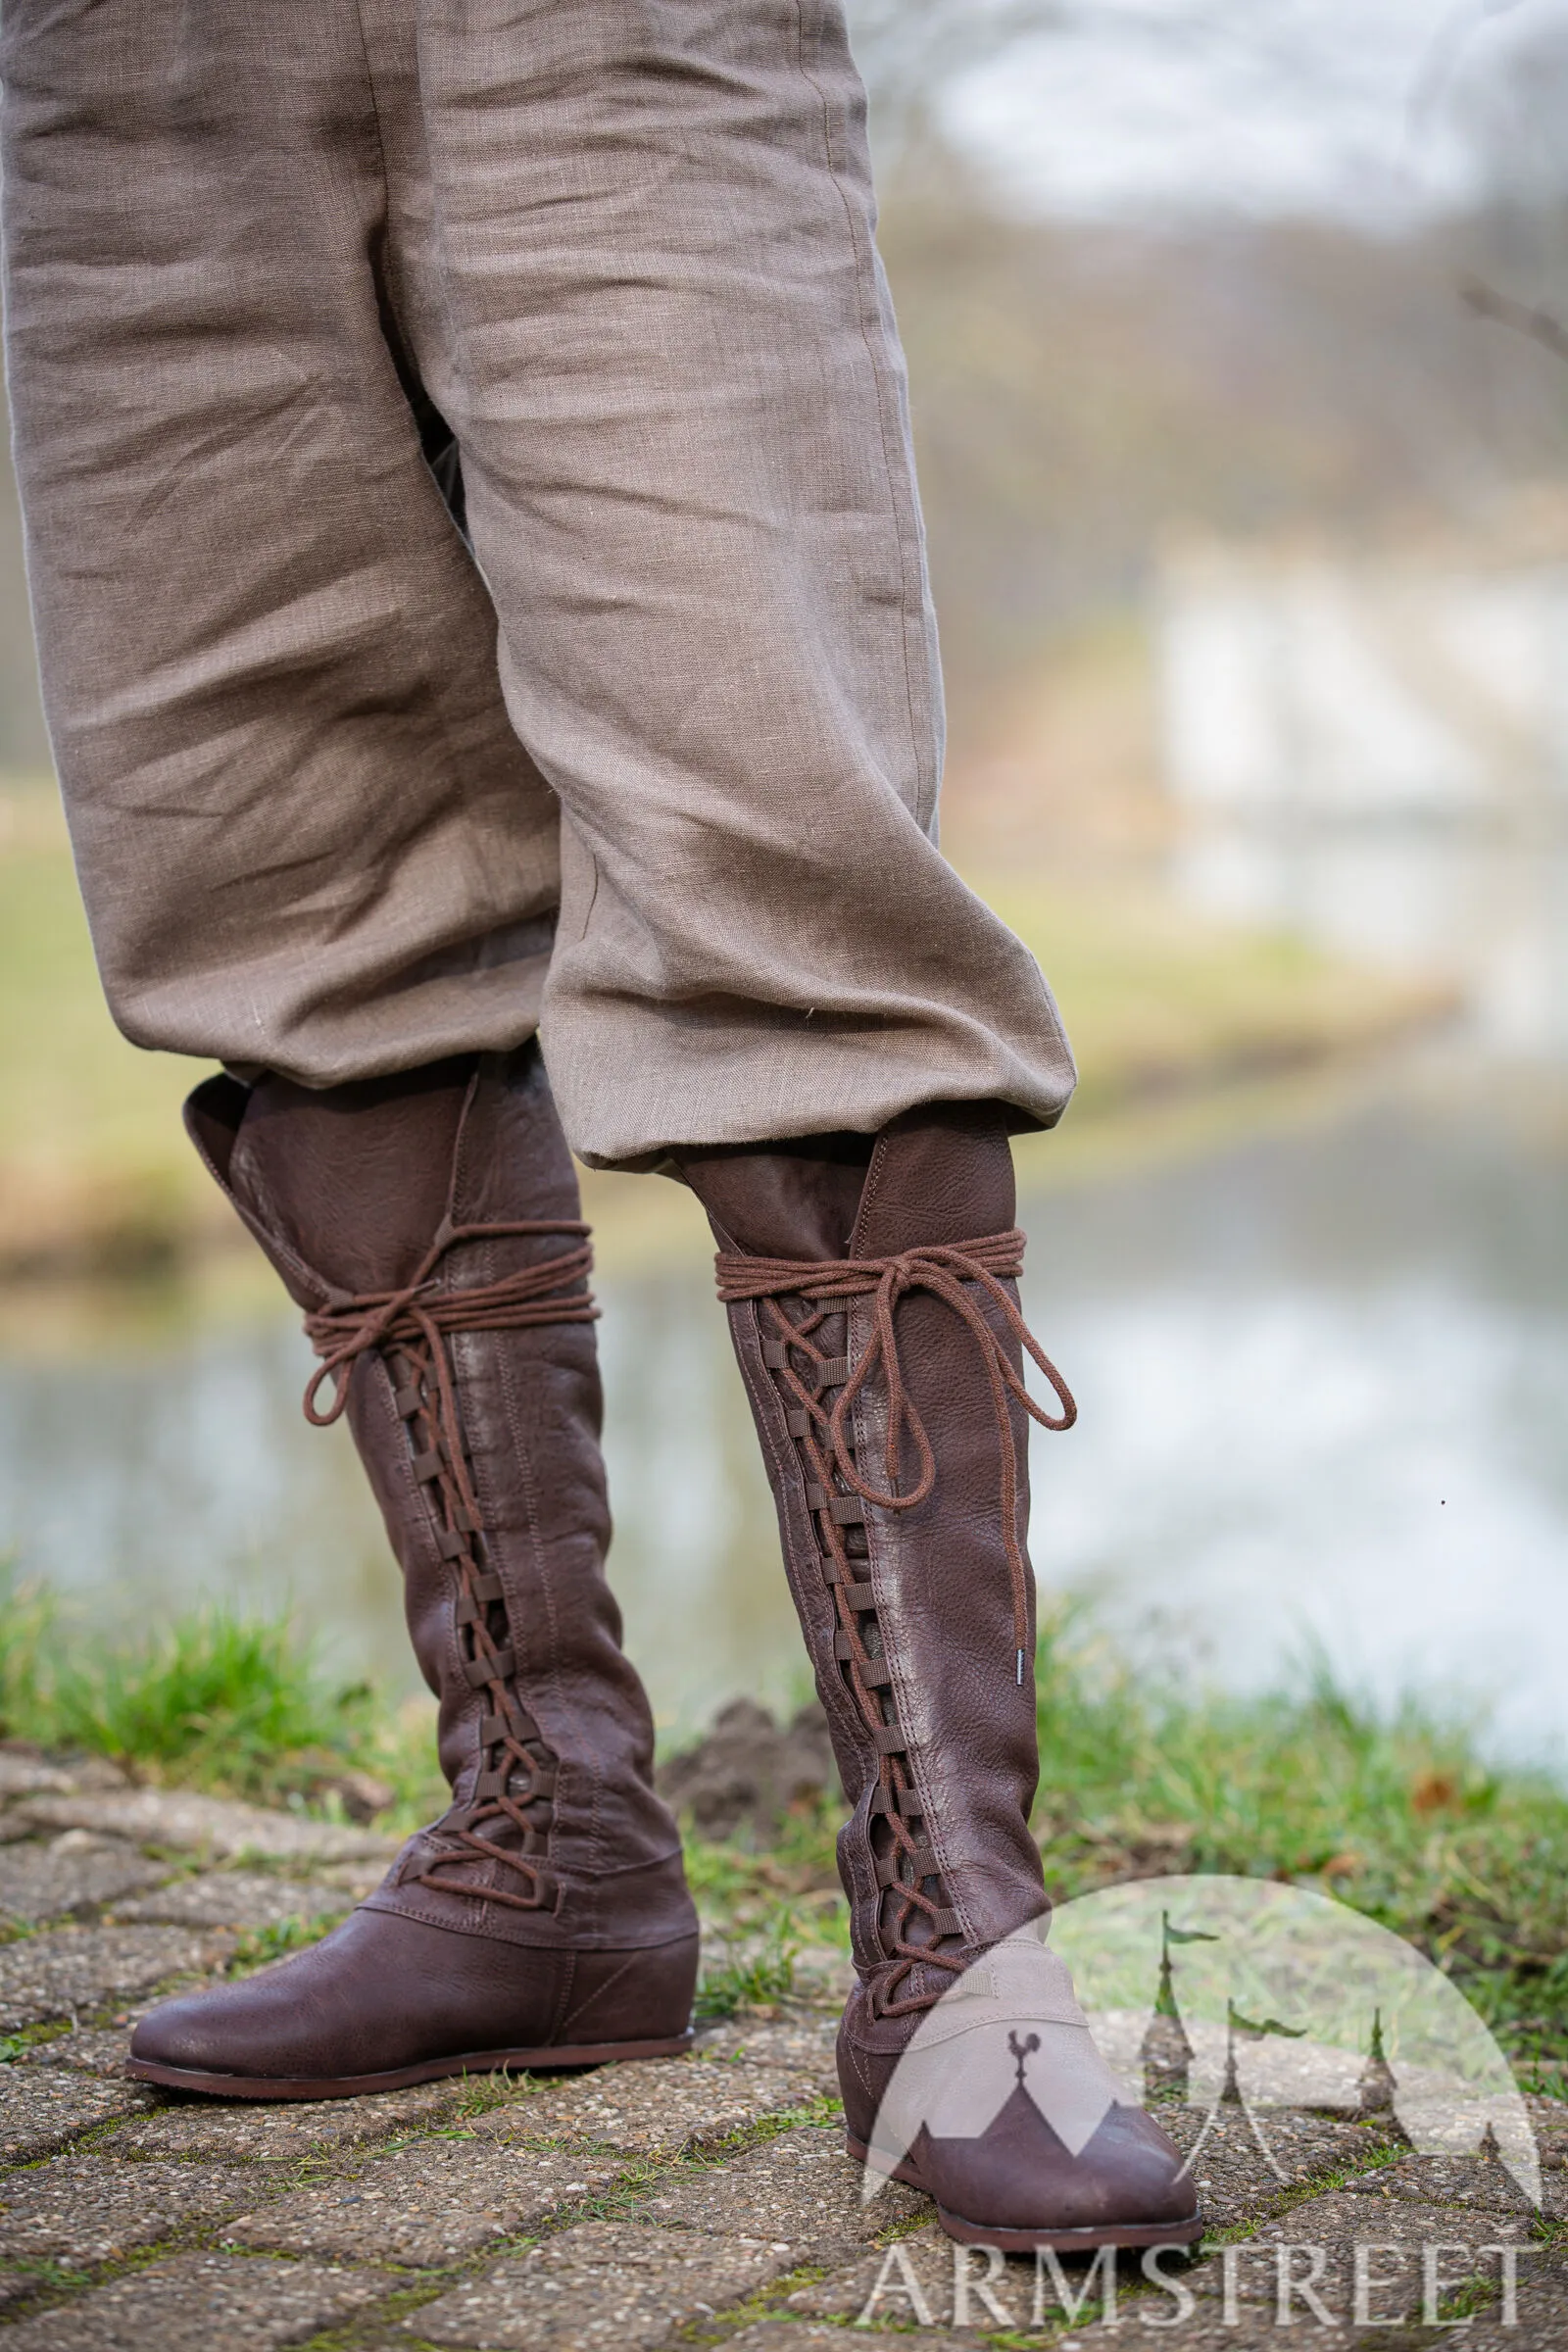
x,y
609,1985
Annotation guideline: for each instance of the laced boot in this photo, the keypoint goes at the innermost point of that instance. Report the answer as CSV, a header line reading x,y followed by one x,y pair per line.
x,y
428,1225
874,1308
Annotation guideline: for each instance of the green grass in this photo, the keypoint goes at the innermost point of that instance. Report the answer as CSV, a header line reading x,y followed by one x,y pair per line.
x,y
1400,1815
757,1978
235,1705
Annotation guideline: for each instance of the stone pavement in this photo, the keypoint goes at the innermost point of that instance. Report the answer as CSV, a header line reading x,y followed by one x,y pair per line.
x,y
698,2201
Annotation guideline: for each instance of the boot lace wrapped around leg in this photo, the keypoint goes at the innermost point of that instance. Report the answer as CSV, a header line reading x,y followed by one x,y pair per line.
x,y
799,1301
512,1795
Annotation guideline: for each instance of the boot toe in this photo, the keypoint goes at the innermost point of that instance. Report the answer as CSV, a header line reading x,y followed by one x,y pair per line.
x,y
223,2031
1019,2177
270,2026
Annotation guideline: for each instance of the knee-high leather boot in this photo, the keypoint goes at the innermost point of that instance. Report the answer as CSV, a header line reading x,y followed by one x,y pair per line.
x,y
428,1225
874,1308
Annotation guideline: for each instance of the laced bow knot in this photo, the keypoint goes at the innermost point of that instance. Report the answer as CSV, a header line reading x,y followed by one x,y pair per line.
x,y
348,1324
952,1272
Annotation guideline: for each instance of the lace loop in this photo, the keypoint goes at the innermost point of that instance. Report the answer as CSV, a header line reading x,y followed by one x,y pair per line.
x,y
947,1271
924,1937
347,1326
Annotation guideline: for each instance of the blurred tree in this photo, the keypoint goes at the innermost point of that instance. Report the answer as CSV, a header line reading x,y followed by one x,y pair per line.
x,y
908,51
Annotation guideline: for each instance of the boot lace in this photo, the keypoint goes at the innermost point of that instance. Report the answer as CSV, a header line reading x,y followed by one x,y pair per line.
x,y
411,1328
823,1390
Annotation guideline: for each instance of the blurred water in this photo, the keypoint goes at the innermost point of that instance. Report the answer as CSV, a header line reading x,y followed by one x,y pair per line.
x,y
1324,1384
1324,1391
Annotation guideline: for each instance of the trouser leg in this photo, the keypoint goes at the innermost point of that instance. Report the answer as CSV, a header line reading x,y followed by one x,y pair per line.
x,y
312,750
673,369
307,833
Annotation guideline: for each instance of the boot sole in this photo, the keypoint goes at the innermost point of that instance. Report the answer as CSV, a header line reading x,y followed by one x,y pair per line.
x,y
1130,2235
351,2086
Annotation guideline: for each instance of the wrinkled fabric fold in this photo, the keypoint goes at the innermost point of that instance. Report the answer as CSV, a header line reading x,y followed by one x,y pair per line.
x,y
477,562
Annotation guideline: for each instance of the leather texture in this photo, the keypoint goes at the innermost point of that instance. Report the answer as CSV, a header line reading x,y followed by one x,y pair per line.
x,y
943,1598
1019,2178
346,1190
384,1992
934,1609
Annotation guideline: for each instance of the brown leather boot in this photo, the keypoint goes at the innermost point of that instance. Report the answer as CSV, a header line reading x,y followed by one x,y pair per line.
x,y
428,1224
874,1308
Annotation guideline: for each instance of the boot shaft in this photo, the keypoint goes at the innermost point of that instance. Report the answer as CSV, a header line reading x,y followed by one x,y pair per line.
x,y
918,1614
463,1356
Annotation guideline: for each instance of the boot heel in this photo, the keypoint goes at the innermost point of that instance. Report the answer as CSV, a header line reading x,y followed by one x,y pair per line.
x,y
635,1997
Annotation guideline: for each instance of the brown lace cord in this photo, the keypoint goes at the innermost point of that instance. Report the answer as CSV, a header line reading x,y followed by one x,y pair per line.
x,y
823,1433
410,1326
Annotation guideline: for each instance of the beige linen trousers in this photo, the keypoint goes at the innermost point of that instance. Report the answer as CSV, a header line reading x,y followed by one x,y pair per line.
x,y
477,570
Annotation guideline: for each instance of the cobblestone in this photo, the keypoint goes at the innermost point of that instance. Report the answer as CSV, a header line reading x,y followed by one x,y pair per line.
x,y
90,2209
1487,2188
1550,2119
355,1879
1541,2317
250,2130
800,2187
1335,2224
1205,2330
918,2289
188,1824
661,2106
40,2112
1236,2170
235,1898
602,2285
791,2335
806,2046
29,1776
75,1872
70,1969
87,2049
650,2228
201,2301
426,2204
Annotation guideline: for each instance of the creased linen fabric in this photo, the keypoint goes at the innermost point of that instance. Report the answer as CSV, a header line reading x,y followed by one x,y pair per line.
x,y
650,760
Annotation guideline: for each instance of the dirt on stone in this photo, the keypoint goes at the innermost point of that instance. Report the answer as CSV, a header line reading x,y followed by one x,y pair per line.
x,y
749,1771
